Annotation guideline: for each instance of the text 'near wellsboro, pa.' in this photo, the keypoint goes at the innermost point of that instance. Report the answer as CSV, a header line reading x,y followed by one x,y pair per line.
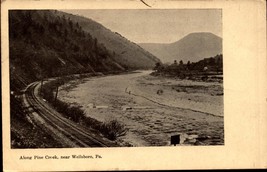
x,y
116,78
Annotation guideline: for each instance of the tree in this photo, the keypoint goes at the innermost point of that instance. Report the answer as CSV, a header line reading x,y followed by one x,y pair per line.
x,y
188,64
65,33
212,61
71,24
95,45
157,66
77,25
64,18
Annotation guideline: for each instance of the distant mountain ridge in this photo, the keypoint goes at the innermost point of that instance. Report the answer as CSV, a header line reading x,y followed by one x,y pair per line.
x,y
193,47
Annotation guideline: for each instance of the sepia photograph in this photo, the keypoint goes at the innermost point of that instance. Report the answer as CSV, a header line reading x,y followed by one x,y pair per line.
x,y
116,78
97,85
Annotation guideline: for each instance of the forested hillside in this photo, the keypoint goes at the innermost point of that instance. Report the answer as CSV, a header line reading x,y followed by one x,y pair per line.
x,y
45,43
128,53
212,66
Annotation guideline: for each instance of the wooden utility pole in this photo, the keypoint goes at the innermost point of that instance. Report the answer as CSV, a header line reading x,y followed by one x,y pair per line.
x,y
56,94
42,86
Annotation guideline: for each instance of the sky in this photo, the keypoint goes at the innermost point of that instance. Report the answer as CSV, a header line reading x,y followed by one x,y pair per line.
x,y
156,26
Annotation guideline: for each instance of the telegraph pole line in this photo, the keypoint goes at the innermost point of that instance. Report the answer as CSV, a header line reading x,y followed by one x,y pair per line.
x,y
42,86
56,94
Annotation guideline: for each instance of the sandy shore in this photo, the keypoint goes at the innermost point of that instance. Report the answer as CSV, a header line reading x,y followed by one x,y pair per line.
x,y
183,106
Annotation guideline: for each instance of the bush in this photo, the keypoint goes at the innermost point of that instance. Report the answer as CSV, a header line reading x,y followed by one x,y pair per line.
x,y
61,107
47,93
75,113
113,129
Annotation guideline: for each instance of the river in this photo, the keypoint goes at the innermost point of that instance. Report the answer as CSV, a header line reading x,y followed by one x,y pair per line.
x,y
152,116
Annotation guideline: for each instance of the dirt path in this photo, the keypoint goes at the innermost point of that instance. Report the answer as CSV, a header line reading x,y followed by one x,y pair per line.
x,y
182,107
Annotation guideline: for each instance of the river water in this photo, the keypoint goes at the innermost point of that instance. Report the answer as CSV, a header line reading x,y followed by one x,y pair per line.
x,y
152,117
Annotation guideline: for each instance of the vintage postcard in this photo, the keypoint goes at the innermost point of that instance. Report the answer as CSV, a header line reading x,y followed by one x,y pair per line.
x,y
131,85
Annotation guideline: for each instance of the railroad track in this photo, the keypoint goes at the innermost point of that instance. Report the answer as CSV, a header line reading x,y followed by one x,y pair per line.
x,y
72,131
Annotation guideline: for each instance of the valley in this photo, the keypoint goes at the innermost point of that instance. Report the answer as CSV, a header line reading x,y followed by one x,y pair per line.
x,y
106,83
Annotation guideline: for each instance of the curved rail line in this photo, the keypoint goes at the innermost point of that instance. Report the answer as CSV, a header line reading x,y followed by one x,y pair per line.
x,y
69,129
